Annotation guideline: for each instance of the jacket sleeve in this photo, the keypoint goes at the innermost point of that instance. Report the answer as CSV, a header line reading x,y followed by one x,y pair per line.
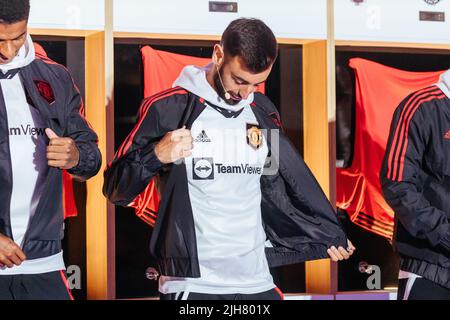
x,y
135,162
82,133
400,178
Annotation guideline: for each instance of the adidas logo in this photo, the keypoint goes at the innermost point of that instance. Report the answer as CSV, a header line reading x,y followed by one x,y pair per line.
x,y
202,137
447,135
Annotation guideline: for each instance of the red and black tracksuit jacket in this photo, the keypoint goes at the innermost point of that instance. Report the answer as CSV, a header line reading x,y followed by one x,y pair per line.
x,y
49,88
415,179
297,217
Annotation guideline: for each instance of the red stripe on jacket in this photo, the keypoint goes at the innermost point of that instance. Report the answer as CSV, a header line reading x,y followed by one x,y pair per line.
x,y
399,127
405,146
143,113
398,149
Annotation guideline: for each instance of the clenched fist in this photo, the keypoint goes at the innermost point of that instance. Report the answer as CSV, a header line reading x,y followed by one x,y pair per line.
x,y
61,152
175,146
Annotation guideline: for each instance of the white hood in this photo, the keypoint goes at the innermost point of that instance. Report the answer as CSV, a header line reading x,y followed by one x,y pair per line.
x,y
444,83
25,56
193,79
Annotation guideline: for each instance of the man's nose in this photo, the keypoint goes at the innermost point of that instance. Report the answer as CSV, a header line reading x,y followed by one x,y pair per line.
x,y
245,92
7,51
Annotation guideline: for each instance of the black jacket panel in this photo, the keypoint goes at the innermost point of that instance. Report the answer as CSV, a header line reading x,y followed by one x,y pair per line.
x,y
415,179
300,226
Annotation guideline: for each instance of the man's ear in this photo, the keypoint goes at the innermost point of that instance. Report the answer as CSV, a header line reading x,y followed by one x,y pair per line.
x,y
218,55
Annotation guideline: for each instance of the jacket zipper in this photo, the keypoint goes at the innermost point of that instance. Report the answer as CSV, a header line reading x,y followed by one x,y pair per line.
x,y
47,181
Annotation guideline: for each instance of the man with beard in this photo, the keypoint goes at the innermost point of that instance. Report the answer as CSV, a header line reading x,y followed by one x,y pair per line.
x,y
223,219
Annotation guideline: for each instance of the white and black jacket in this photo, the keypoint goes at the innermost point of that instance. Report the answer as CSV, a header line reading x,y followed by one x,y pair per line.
x,y
298,219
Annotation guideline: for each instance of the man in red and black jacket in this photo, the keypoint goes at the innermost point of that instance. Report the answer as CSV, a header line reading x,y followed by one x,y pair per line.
x,y
226,215
415,179
42,133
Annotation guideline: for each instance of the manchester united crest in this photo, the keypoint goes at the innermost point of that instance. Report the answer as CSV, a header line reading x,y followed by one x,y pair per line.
x,y
254,136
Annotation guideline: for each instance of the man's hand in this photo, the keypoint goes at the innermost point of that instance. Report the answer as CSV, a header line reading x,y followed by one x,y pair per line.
x,y
341,253
175,145
61,152
10,253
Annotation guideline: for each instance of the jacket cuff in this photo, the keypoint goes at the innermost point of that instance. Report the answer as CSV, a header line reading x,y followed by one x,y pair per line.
x,y
148,158
340,241
87,165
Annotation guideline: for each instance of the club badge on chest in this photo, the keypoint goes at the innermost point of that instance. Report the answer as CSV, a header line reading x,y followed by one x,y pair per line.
x,y
254,136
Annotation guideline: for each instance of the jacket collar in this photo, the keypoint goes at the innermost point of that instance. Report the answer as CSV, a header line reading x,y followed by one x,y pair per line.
x,y
52,113
263,117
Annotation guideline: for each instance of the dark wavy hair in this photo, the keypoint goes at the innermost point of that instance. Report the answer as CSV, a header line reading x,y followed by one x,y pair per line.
x,y
12,11
253,41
